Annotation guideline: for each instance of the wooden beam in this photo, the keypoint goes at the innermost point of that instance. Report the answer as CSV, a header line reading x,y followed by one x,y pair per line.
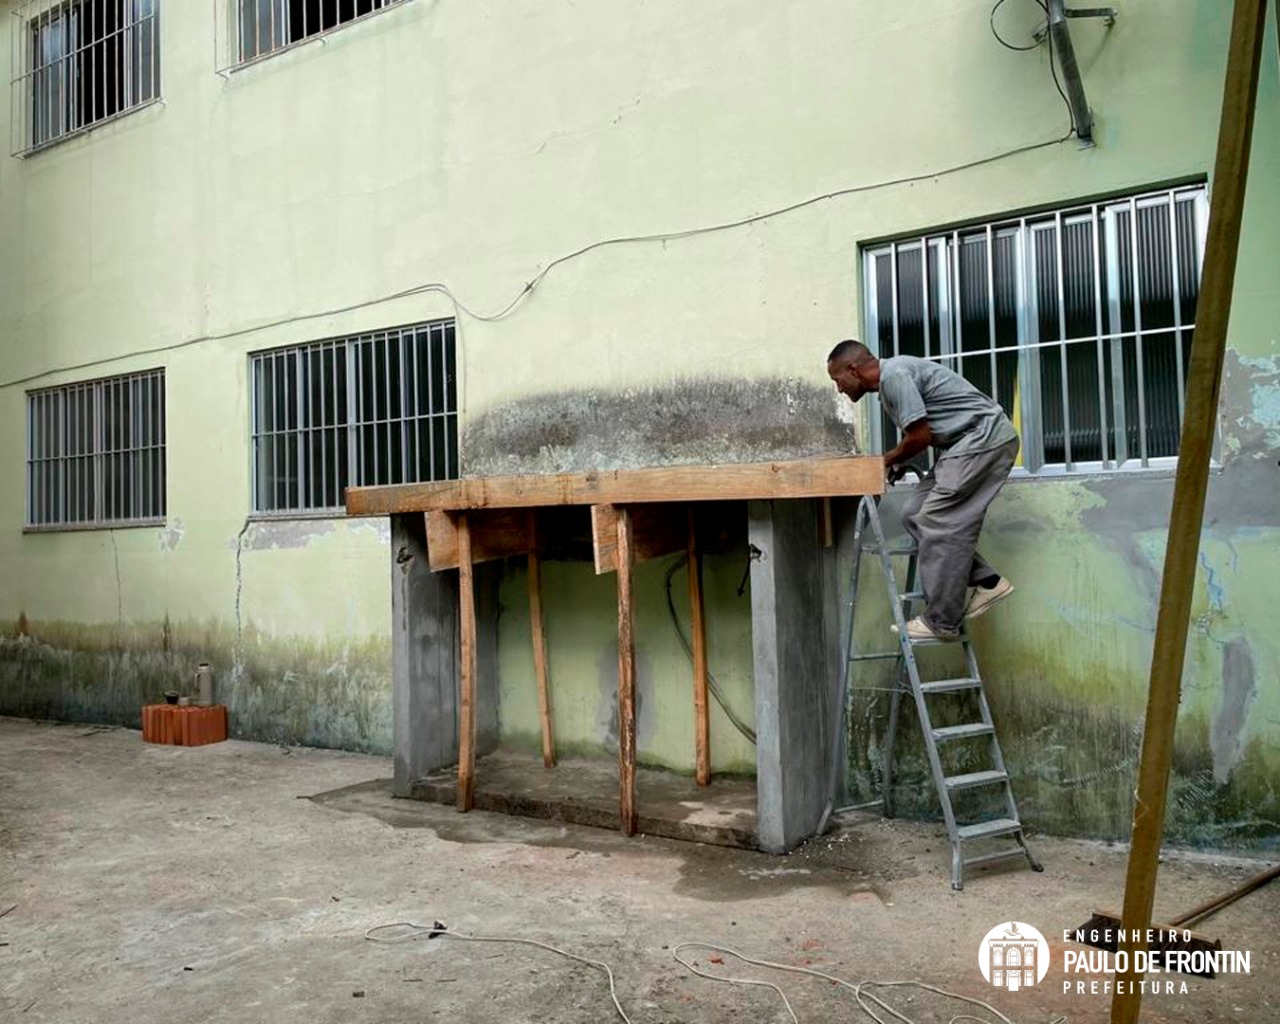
x,y
701,725
626,681
803,478
656,530
1208,351
467,705
495,533
539,641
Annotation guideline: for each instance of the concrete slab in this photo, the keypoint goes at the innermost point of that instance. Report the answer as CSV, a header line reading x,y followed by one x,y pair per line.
x,y
585,792
235,882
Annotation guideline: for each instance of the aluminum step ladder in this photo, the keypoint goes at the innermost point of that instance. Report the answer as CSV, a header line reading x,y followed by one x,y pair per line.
x,y
904,605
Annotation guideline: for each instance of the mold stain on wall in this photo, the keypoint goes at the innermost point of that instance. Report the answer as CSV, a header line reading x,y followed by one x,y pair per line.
x,y
699,421
288,690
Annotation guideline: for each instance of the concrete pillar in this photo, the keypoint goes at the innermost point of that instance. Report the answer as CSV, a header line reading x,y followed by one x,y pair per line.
x,y
425,656
792,627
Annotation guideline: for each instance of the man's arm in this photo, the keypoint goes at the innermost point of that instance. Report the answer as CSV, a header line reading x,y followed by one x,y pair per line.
x,y
915,439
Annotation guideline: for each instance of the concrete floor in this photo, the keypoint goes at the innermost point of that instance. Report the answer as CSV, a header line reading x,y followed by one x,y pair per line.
x,y
163,884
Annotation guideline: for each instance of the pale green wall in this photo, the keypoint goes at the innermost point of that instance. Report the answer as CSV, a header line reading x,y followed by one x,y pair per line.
x,y
471,144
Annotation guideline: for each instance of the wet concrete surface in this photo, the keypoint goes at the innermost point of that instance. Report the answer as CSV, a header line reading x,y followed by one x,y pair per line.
x,y
236,882
583,792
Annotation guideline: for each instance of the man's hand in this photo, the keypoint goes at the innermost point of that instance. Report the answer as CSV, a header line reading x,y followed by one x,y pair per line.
x,y
915,439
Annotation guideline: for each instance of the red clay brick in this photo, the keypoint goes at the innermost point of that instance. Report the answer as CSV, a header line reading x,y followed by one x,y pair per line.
x,y
184,726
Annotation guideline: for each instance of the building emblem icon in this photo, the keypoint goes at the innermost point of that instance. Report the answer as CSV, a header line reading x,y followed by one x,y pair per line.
x,y
1013,956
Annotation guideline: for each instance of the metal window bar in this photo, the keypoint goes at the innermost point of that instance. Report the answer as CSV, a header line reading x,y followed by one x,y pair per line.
x,y
1089,269
96,453
1095,235
991,311
261,28
393,411
1136,289
1028,381
957,303
1060,242
77,64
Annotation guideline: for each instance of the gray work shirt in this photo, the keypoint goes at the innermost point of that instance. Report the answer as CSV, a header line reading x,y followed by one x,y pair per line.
x,y
962,418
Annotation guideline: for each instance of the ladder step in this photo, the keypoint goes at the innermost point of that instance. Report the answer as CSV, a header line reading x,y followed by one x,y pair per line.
x,y
960,732
958,641
912,595
874,549
975,779
987,858
989,829
950,685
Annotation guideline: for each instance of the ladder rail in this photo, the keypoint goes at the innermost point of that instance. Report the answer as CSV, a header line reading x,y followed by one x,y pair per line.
x,y
908,676
912,668
839,741
997,750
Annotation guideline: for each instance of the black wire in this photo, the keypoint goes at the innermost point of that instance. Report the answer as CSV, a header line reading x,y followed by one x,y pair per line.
x,y
1053,70
528,288
712,684
1053,67
1006,45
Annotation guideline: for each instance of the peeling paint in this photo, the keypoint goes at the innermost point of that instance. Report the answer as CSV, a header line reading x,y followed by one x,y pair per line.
x,y
171,536
294,690
1239,691
278,534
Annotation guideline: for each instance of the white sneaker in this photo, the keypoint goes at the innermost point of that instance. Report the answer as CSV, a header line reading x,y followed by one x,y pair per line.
x,y
980,599
918,629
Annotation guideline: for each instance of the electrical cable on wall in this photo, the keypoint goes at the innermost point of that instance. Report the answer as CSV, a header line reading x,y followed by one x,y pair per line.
x,y
1005,43
712,684
1035,45
529,287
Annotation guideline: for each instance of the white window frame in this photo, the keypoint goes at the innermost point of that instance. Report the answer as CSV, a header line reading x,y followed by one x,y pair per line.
x,y
47,85
81,462
942,294
235,50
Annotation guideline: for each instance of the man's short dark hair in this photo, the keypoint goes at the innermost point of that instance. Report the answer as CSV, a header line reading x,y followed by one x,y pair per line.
x,y
854,351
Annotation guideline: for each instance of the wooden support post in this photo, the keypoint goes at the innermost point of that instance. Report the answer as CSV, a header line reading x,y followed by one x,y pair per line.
x,y
1205,374
701,726
626,679
539,642
467,704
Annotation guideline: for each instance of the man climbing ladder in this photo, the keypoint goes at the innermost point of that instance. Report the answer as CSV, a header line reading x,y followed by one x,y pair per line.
x,y
975,447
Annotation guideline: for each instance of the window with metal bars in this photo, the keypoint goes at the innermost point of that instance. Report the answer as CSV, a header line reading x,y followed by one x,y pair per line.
x,y
1078,322
96,453
378,408
78,63
264,26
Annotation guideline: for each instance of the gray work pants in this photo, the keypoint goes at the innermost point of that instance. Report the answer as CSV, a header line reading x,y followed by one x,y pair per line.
x,y
945,515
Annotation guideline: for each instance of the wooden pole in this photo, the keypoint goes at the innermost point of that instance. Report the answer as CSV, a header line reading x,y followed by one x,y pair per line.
x,y
626,679
701,725
467,704
539,642
1205,375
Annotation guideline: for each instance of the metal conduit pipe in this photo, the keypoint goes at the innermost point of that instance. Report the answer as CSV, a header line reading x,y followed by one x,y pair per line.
x,y
1060,40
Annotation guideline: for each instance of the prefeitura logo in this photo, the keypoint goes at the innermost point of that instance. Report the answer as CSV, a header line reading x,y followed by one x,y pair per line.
x,y
1014,956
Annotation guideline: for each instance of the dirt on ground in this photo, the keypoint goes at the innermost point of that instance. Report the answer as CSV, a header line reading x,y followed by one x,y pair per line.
x,y
239,882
